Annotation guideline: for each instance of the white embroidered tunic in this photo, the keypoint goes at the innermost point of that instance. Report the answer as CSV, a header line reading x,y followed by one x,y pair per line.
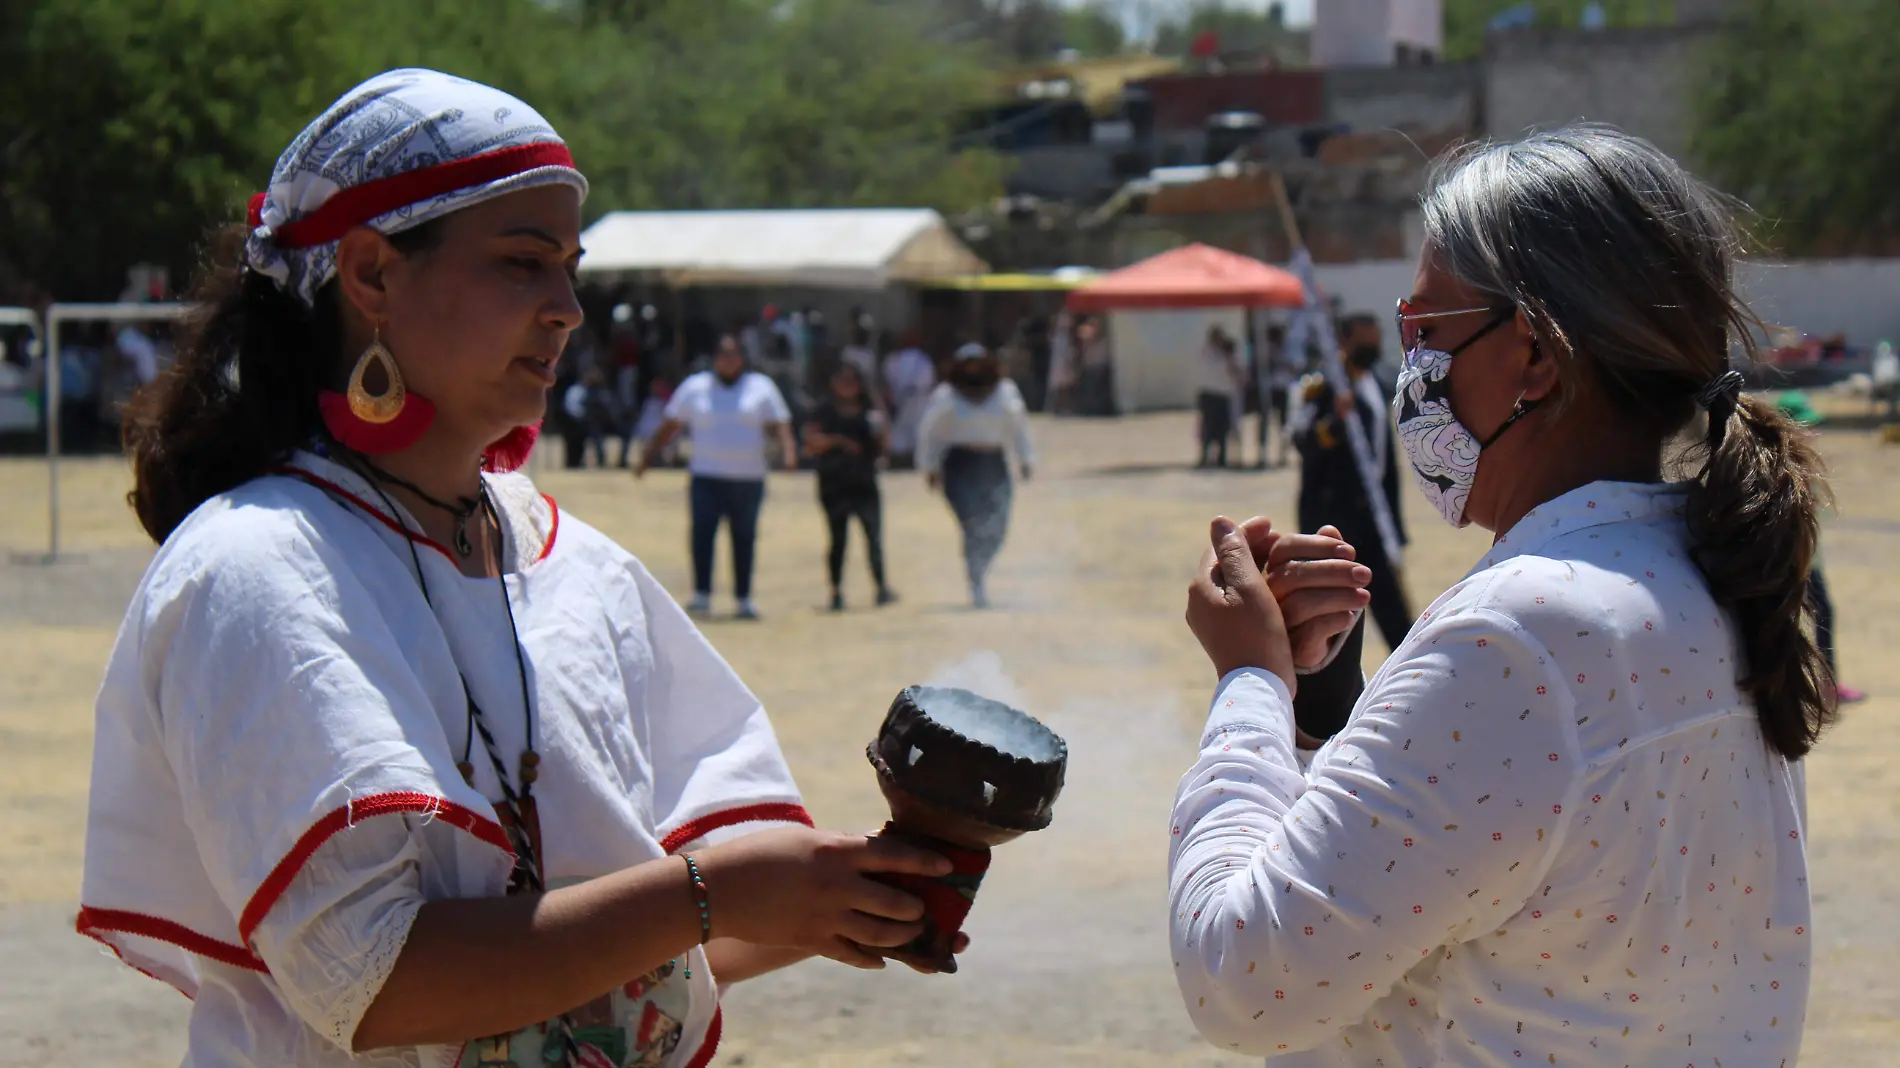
x,y
1551,833
275,791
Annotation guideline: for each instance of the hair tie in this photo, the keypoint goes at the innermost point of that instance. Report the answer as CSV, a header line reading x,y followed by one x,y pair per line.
x,y
1723,391
1725,388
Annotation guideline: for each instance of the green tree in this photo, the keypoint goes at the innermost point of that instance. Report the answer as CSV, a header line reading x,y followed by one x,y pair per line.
x,y
1797,114
1467,20
128,127
1239,28
1094,30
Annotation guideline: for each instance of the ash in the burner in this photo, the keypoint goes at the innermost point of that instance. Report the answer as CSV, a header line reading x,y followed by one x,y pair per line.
x,y
990,722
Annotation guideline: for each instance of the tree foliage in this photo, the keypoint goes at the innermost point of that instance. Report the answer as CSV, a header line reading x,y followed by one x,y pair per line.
x,y
1239,28
1797,113
129,127
1466,21
1031,31
1094,29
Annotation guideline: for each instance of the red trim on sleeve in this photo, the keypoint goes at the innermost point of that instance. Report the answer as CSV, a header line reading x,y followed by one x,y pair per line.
x,y
710,1044
446,811
376,513
554,528
763,813
359,204
96,923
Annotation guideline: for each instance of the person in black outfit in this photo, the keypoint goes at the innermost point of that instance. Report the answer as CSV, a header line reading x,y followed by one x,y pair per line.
x,y
1331,490
845,437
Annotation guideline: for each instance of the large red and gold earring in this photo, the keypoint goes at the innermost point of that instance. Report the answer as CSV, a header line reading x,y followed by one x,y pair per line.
x,y
511,452
376,423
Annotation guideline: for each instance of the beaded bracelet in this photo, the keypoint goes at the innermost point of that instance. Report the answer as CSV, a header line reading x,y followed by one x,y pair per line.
x,y
699,895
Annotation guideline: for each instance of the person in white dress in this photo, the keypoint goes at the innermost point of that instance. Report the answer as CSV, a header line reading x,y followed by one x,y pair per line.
x,y
861,353
1564,823
395,763
909,375
974,422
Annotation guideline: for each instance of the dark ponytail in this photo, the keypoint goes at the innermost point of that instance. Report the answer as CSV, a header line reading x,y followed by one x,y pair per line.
x,y
1753,529
241,395
1623,262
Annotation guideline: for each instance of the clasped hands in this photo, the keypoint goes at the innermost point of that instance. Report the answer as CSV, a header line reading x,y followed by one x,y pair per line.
x,y
1266,599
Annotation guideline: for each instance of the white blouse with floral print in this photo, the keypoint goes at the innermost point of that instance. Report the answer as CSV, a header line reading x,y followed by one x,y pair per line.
x,y
1551,832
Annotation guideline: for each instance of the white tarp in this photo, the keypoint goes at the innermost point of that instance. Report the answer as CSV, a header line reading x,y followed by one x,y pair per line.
x,y
841,248
1157,353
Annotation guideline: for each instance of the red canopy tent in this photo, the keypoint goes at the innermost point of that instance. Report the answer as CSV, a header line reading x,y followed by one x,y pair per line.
x,y
1197,276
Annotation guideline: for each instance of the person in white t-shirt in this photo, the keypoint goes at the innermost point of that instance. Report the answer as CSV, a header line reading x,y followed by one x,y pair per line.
x,y
1220,380
729,412
139,348
909,376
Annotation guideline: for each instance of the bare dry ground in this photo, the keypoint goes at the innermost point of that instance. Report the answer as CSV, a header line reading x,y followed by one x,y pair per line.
x,y
1070,961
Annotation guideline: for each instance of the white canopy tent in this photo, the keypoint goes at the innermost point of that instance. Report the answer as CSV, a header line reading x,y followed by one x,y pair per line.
x,y
839,248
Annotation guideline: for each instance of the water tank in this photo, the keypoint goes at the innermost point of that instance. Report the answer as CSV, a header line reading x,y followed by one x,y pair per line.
x,y
1374,33
1229,132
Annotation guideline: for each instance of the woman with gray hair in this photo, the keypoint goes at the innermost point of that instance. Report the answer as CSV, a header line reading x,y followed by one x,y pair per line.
x,y
1564,822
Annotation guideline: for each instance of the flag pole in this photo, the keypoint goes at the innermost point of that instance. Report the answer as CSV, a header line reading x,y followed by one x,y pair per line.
x,y
1320,319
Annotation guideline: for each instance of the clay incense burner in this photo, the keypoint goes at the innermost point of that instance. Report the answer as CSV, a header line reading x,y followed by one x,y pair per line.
x,y
962,773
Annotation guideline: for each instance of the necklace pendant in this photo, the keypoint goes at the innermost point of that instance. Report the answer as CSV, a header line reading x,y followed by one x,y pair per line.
x,y
462,544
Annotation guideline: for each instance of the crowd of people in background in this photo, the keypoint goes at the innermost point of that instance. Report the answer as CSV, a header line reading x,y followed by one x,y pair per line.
x,y
779,389
751,404
101,365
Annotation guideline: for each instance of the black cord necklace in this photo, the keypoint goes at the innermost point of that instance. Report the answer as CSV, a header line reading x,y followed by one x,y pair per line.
x,y
519,804
529,768
462,510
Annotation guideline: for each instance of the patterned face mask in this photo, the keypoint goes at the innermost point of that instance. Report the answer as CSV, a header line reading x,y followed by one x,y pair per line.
x,y
1441,451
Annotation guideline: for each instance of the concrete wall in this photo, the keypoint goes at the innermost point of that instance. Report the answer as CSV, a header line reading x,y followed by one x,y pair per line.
x,y
1406,98
1693,11
1282,97
1858,298
1373,287
1637,79
1062,172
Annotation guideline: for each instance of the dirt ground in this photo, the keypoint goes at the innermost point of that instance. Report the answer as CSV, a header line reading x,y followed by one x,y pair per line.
x,y
1069,965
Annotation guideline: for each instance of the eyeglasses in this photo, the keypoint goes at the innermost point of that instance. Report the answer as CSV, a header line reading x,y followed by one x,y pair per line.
x,y
1408,320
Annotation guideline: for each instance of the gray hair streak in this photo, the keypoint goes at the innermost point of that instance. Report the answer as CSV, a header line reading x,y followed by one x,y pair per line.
x,y
1619,257
1621,260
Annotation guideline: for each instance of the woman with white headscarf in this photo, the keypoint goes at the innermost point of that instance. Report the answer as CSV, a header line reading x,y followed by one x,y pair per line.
x,y
394,762
974,420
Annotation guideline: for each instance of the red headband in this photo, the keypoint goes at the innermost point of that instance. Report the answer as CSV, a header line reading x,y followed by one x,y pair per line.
x,y
358,205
